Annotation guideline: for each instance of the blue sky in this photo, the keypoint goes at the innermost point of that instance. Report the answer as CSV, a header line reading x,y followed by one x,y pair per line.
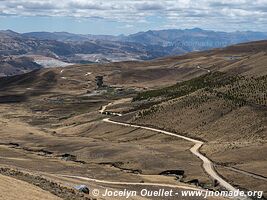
x,y
130,16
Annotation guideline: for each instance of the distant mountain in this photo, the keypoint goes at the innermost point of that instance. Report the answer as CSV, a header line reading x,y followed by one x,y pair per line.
x,y
194,39
161,42
78,48
65,36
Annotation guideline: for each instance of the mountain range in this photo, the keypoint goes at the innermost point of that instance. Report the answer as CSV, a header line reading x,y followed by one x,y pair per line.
x,y
78,48
187,40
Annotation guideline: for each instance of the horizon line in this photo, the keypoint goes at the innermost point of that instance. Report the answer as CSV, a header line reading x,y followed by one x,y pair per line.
x,y
167,29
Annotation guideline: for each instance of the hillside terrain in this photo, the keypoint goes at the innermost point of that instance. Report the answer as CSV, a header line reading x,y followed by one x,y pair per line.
x,y
50,123
62,48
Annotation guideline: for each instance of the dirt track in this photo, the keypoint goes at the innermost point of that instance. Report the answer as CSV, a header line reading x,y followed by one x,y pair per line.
x,y
207,164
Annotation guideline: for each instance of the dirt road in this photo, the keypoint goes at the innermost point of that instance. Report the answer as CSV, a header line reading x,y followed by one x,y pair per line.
x,y
207,164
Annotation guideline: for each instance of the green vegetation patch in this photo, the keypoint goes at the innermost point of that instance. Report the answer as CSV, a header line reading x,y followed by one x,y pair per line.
x,y
211,80
246,91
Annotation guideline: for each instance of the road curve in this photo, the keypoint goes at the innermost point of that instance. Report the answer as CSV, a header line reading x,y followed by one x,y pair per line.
x,y
207,164
103,111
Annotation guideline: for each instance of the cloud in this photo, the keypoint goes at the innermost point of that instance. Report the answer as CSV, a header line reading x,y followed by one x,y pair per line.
x,y
175,12
149,6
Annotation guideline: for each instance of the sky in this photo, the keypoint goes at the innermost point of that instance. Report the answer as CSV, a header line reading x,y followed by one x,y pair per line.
x,y
114,17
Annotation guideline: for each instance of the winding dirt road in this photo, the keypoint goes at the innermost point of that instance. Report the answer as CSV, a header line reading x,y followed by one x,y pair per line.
x,y
207,163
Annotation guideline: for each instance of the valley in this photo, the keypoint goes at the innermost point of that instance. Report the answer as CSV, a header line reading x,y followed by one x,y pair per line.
x,y
50,124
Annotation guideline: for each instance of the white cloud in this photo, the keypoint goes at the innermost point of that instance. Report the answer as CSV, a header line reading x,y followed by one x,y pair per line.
x,y
174,11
